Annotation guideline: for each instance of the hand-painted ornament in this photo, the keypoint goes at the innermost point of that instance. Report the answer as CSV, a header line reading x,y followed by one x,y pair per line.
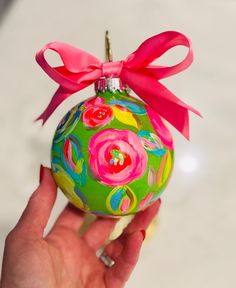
x,y
112,154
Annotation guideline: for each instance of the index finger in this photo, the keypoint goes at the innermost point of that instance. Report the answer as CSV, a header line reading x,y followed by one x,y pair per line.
x,y
36,214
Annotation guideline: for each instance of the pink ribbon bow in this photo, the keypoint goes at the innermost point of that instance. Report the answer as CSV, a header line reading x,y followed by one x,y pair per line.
x,y
81,69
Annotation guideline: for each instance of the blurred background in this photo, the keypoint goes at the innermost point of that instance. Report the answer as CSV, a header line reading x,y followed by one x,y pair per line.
x,y
194,243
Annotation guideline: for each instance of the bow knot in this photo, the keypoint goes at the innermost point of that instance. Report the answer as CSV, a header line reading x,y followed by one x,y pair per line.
x,y
112,69
81,69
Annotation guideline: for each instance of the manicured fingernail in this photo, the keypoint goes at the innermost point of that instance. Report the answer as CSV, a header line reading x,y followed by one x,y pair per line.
x,y
144,234
41,173
159,201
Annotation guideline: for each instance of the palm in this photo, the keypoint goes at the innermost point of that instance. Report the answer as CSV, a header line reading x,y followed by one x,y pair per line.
x,y
64,258
73,261
55,262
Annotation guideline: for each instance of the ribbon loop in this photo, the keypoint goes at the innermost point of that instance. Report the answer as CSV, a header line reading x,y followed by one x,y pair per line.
x,y
80,69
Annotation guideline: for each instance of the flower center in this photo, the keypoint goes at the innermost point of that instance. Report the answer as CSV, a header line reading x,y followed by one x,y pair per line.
x,y
117,159
100,114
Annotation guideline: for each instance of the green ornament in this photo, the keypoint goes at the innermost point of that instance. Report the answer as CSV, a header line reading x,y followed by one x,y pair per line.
x,y
112,155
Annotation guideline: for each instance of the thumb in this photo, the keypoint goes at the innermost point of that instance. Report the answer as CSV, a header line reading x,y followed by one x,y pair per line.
x,y
36,214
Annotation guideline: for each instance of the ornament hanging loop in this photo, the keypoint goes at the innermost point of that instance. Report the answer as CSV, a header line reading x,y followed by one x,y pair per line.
x,y
110,71
109,57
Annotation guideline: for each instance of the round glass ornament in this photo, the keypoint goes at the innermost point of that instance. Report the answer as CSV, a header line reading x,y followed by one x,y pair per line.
x,y
112,155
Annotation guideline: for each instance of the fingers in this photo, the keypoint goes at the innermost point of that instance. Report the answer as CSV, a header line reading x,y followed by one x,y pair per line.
x,y
36,214
142,219
140,222
99,231
118,274
125,250
71,218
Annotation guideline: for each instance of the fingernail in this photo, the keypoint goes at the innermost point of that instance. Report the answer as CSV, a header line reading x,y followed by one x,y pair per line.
x,y
159,201
41,173
143,233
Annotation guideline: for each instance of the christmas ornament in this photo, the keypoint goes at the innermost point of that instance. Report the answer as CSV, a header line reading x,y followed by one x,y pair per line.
x,y
112,154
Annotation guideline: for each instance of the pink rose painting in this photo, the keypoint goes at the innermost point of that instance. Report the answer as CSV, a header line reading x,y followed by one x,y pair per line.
x,y
96,113
117,157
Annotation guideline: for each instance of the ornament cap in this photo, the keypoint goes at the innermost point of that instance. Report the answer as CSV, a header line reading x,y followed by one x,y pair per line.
x,y
110,84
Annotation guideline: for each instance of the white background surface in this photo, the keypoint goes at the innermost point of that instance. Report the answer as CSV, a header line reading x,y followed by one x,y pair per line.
x,y
195,242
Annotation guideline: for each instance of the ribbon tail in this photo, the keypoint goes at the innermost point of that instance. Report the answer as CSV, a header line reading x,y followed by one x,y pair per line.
x,y
160,99
174,113
60,95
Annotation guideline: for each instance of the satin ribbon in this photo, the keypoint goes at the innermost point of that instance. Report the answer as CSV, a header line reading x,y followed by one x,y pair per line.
x,y
81,69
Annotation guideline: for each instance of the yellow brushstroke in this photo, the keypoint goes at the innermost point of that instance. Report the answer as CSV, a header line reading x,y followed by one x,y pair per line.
x,y
164,169
168,166
79,166
67,186
125,117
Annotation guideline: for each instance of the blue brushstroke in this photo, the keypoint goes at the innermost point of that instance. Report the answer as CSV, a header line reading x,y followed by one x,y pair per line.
x,y
76,146
80,195
116,199
133,107
156,151
62,129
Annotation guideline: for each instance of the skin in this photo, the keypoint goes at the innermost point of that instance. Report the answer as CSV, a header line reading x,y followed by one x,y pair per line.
x,y
63,258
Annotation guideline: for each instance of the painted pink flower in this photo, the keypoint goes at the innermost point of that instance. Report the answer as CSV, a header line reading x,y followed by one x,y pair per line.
x,y
117,157
96,113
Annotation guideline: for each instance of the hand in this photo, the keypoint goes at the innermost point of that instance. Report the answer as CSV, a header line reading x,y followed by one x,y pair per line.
x,y
63,258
